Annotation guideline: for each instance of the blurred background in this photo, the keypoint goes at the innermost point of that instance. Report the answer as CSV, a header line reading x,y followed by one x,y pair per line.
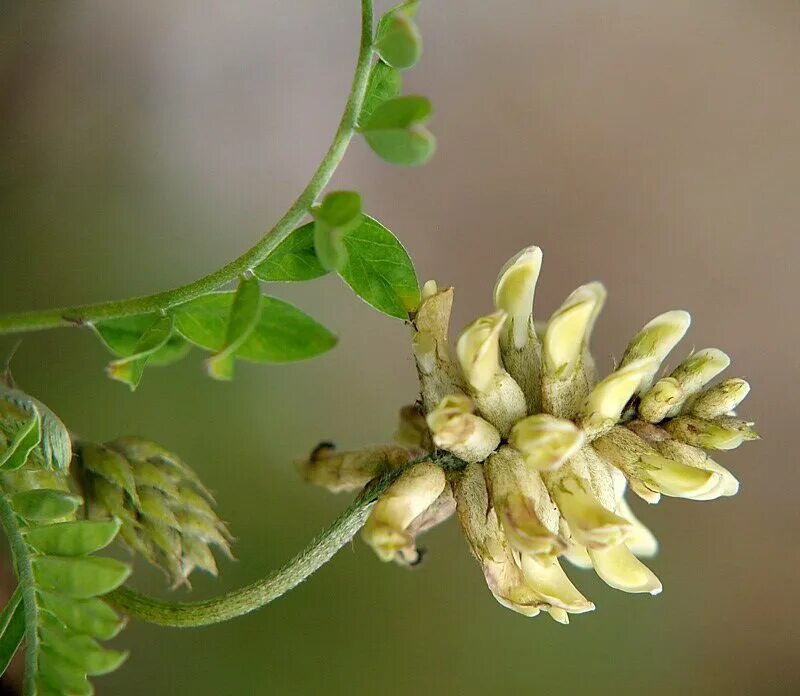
x,y
652,145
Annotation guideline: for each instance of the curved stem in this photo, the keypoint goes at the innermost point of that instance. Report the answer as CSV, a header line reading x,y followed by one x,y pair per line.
x,y
81,314
256,595
27,587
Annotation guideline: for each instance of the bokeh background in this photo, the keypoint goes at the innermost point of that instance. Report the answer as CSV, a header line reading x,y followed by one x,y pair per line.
x,y
653,145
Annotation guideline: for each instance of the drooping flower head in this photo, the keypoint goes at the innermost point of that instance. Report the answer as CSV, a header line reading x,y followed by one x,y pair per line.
x,y
548,450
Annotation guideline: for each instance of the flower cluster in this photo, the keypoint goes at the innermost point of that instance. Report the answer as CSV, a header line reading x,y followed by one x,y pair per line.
x,y
548,450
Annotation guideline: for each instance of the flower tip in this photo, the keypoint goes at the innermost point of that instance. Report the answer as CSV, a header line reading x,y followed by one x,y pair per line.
x,y
657,338
545,441
515,289
569,328
620,569
429,289
605,403
478,350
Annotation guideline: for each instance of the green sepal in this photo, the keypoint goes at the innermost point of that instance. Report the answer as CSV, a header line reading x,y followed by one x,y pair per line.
x,y
81,577
78,538
44,504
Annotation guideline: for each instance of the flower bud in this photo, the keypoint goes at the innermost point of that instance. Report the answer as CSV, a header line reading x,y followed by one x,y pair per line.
x,y
545,441
348,471
478,350
721,399
545,575
386,529
704,433
695,372
647,470
514,292
456,429
439,511
655,341
659,401
438,375
523,505
620,569
605,403
489,546
590,524
569,329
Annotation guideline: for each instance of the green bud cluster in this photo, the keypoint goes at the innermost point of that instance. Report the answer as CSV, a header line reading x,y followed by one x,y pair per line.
x,y
167,515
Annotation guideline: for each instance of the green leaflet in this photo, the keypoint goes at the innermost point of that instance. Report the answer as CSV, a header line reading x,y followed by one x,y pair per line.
x,y
379,270
244,314
398,41
283,333
81,577
44,504
130,368
12,629
121,335
90,616
396,132
293,259
77,538
385,82
24,419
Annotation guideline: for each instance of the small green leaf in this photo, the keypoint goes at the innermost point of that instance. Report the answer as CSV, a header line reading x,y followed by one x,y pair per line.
x,y
339,208
80,578
283,332
90,616
25,441
293,259
61,677
72,538
395,131
121,335
44,504
12,629
130,369
81,652
385,82
379,269
245,311
398,41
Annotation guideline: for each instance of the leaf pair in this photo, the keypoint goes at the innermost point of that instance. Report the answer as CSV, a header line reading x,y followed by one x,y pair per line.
x,y
377,267
241,324
394,126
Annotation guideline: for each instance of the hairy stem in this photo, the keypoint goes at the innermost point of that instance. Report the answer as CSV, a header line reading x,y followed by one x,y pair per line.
x,y
262,592
27,587
82,314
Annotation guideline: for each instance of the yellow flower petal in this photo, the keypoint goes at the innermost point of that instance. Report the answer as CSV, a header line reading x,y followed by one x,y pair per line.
x,y
545,441
620,569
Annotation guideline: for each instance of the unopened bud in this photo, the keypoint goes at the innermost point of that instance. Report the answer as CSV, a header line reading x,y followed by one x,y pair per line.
x,y
348,471
545,441
409,496
659,401
605,403
514,293
590,524
478,350
457,429
695,372
706,433
721,399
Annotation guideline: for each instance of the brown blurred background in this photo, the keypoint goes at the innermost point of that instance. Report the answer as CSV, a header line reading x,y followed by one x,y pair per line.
x,y
652,145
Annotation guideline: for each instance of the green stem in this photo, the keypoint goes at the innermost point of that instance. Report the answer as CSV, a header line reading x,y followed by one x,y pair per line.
x,y
82,314
27,586
256,595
